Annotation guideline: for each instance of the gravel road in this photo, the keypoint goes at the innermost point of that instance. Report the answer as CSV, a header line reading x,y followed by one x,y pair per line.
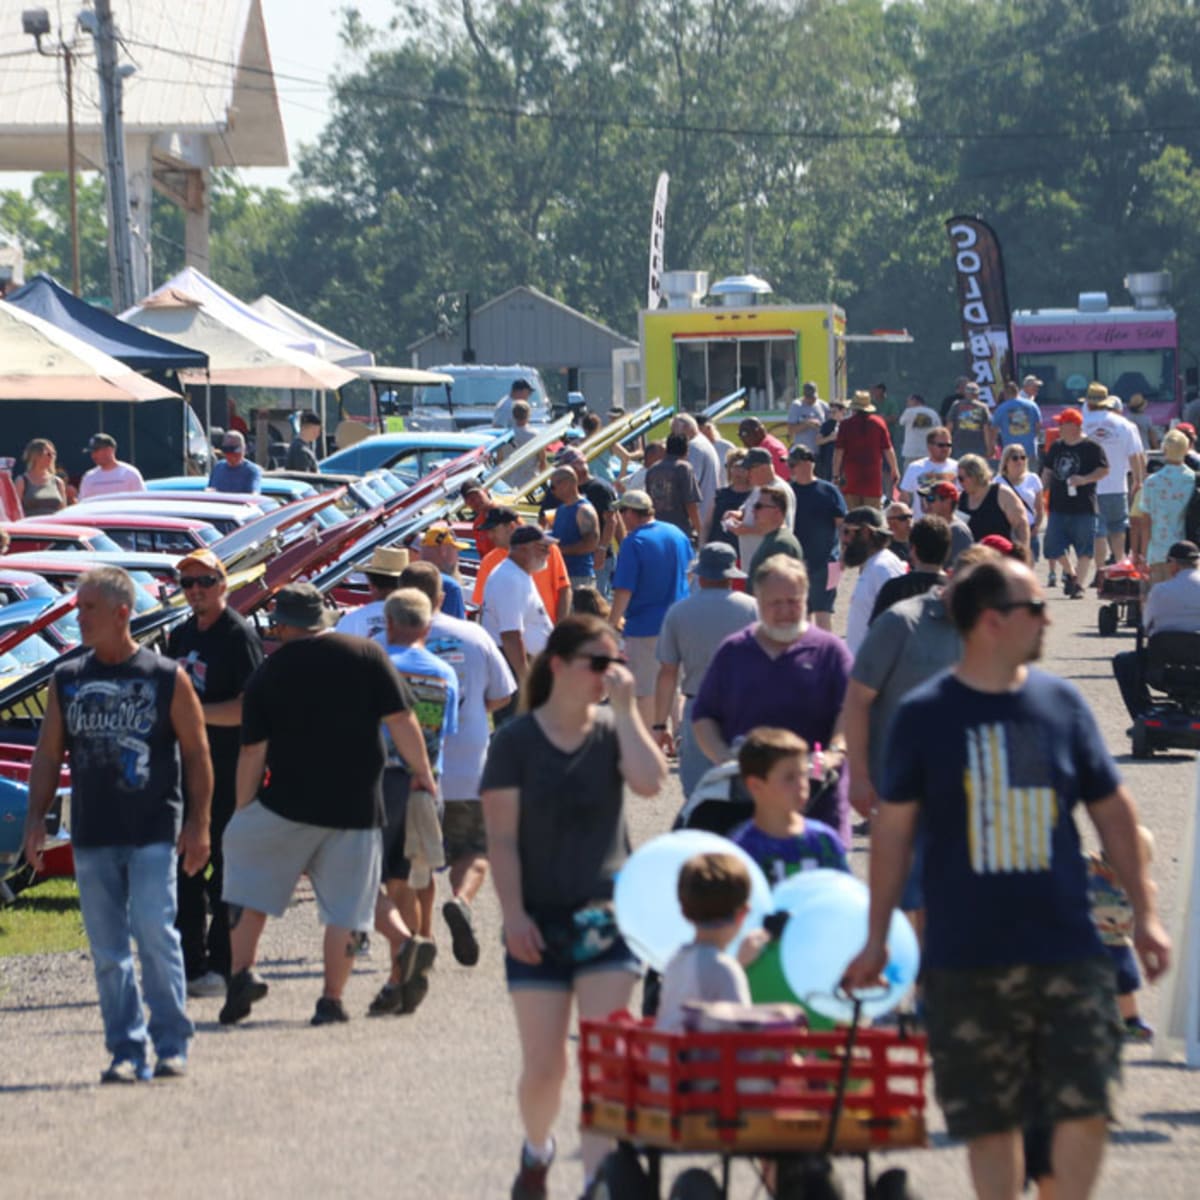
x,y
423,1105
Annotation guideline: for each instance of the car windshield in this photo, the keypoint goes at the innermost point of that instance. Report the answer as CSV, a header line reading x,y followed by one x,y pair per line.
x,y
415,464
475,391
32,651
101,541
67,630
208,534
1065,376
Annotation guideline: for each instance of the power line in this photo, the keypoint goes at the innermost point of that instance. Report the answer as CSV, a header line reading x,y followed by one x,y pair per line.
x,y
593,118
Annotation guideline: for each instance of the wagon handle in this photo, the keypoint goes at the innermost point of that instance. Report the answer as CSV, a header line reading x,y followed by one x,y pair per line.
x,y
839,1098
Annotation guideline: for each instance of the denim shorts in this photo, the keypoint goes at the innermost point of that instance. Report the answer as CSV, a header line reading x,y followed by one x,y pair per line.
x,y
1129,978
1070,529
560,976
1113,516
820,595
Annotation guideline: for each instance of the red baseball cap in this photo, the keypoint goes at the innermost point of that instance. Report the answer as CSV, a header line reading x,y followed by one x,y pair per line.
x,y
1070,416
942,490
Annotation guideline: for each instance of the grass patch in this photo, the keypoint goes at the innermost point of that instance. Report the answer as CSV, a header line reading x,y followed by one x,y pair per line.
x,y
43,920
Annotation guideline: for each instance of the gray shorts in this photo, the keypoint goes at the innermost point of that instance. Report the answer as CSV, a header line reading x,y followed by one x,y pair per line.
x,y
265,855
643,663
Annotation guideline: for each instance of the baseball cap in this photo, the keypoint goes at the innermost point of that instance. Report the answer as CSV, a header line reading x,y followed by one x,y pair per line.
x,y
1187,429
998,542
868,517
1184,552
636,501
568,456
442,535
717,560
202,558
521,385
100,440
942,490
500,516
1070,416
758,457
810,388
529,534
801,453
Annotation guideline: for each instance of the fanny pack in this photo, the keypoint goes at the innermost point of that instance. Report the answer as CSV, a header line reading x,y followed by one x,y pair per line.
x,y
578,935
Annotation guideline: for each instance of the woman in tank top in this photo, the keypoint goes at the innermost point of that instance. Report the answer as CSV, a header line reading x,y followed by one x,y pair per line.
x,y
987,507
39,489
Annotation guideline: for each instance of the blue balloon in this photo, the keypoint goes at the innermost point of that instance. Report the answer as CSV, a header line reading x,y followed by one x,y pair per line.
x,y
826,928
646,897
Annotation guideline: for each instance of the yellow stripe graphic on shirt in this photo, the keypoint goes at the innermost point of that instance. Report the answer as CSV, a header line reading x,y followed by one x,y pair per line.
x,y
1008,828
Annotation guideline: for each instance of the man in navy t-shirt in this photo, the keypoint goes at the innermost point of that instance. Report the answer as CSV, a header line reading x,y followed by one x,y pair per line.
x,y
650,576
990,759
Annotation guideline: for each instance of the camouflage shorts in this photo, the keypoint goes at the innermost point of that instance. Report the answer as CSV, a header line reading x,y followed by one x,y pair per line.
x,y
1011,1044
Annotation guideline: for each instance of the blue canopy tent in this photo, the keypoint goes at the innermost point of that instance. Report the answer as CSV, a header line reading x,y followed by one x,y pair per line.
x,y
159,424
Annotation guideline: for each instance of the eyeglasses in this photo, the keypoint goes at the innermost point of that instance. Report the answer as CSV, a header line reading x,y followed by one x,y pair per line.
x,y
899,516
1035,608
205,581
1017,457
599,663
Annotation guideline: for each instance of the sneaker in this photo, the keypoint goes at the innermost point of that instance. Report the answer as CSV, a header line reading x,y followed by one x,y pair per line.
x,y
122,1070
464,942
862,829
246,988
1052,579
530,1183
412,993
388,1000
206,985
416,957
329,1012
174,1066
1136,1030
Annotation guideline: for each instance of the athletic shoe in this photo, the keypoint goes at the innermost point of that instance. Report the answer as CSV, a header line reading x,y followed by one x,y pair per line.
x,y
329,1012
1136,1030
388,1000
174,1066
416,956
206,985
462,931
122,1070
245,989
1052,579
412,993
530,1183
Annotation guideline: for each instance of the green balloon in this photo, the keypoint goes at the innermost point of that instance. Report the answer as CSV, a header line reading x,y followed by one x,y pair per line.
x,y
768,985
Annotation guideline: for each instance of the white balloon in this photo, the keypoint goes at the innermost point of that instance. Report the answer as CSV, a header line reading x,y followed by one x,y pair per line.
x,y
646,892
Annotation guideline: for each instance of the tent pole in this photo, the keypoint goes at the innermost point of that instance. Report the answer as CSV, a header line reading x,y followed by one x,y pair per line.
x,y
208,405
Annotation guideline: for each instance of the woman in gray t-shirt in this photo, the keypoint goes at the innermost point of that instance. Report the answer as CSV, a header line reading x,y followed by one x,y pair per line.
x,y
553,801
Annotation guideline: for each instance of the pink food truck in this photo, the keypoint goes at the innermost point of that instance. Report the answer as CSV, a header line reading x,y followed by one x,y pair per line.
x,y
1129,350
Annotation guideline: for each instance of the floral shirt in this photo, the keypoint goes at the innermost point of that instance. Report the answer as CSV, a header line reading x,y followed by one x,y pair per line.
x,y
1164,499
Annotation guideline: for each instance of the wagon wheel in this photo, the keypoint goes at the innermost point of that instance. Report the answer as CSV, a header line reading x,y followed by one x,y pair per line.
x,y
809,1177
621,1175
1107,619
1140,741
695,1184
892,1185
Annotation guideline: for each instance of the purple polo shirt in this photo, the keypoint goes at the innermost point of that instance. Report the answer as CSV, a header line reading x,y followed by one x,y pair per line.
x,y
801,690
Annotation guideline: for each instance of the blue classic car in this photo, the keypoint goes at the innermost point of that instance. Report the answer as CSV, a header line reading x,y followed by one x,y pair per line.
x,y
411,456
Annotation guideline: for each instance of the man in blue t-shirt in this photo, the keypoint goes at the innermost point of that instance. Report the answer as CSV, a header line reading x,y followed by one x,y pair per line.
x,y
234,472
650,576
820,508
990,759
1019,419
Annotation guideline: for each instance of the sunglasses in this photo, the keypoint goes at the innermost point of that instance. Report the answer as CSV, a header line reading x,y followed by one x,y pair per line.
x,y
1035,608
764,504
205,581
900,516
942,445
599,663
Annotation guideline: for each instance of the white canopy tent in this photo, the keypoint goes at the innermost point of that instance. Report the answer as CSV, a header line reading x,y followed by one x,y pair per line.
x,y
39,361
329,345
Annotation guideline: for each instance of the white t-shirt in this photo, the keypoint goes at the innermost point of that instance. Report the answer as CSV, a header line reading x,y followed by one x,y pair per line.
x,y
1030,488
119,478
924,473
483,676
1120,441
366,621
916,423
703,457
748,543
876,571
511,603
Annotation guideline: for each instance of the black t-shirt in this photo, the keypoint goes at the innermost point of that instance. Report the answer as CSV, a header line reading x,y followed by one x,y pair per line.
x,y
671,484
318,703
824,467
902,587
124,756
1063,461
300,456
727,500
218,661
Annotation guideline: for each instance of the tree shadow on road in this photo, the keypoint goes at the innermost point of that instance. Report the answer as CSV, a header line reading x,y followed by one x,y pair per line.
x,y
1186,1116
1138,1137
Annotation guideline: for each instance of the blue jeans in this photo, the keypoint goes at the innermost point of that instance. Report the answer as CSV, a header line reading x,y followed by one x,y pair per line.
x,y
693,762
124,891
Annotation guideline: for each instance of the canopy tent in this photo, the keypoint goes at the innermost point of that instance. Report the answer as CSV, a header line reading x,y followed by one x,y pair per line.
x,y
137,349
241,352
38,361
226,306
330,346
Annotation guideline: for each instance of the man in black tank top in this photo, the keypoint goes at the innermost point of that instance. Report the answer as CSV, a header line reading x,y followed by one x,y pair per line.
x,y
127,715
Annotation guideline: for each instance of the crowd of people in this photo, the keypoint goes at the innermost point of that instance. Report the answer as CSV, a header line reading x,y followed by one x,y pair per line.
x,y
678,613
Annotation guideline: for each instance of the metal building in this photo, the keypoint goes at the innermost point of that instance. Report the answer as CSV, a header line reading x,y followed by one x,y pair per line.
x,y
574,352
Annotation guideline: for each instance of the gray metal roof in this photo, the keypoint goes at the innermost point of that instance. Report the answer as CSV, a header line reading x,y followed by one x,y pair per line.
x,y
524,324
202,67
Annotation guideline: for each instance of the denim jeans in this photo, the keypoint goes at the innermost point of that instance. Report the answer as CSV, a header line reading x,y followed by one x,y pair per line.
x,y
693,762
129,891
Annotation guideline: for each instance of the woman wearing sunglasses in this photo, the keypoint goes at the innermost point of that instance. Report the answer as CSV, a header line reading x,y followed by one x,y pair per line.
x,y
1015,474
987,506
553,801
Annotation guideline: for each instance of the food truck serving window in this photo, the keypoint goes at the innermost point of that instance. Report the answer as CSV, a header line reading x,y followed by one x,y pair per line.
x,y
1065,376
708,368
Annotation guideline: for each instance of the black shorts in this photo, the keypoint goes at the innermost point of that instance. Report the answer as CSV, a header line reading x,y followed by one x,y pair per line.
x,y
396,782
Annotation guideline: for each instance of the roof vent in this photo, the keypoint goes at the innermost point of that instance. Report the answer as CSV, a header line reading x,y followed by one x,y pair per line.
x,y
1093,302
1149,288
741,291
684,289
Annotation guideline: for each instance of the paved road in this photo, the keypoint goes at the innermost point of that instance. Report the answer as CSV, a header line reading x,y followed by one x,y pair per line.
x,y
423,1105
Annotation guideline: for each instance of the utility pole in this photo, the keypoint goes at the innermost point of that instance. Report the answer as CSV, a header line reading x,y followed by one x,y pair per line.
x,y
119,227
